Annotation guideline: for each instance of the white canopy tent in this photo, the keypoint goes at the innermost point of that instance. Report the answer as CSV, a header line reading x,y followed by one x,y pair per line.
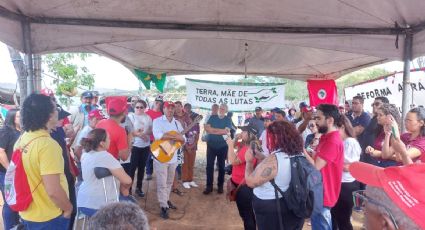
x,y
303,39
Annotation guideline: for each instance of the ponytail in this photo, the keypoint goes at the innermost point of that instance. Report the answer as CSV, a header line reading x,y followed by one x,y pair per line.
x,y
93,139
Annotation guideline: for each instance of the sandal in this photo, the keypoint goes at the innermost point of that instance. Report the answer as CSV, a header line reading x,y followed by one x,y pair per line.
x,y
177,191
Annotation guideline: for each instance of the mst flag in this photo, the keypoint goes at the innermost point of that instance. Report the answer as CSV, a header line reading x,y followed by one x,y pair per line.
x,y
322,92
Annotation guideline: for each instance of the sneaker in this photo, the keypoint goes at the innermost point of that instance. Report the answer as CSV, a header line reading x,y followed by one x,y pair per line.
x,y
220,189
193,184
171,205
164,213
148,177
207,190
140,193
186,185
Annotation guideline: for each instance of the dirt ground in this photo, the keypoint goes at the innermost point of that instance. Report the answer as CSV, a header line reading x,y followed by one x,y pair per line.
x,y
196,210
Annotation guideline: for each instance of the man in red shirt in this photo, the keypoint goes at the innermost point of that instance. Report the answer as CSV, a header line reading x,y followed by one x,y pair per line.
x,y
117,111
153,113
329,159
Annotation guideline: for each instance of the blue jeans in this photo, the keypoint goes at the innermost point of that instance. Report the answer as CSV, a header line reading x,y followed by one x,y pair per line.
x,y
87,211
10,217
321,220
220,154
149,165
59,222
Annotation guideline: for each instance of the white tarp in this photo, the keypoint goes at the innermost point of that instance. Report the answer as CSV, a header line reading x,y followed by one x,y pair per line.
x,y
185,51
239,97
390,87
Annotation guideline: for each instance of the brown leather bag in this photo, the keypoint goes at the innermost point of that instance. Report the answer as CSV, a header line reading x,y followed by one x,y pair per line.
x,y
232,190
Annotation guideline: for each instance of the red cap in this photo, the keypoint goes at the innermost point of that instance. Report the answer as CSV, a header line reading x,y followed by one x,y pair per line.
x,y
403,184
308,109
47,92
116,107
97,114
168,104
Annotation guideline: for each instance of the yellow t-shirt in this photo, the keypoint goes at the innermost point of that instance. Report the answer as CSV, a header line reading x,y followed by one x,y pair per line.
x,y
43,156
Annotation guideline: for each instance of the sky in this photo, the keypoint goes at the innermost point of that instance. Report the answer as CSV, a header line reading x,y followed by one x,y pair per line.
x,y
106,72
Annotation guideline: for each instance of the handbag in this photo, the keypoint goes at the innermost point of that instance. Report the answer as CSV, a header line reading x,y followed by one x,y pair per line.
x,y
232,190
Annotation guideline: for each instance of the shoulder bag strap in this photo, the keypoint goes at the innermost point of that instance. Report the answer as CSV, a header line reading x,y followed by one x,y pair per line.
x,y
279,210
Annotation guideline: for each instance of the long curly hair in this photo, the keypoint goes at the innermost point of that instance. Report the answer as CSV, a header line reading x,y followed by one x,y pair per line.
x,y
36,112
283,136
388,109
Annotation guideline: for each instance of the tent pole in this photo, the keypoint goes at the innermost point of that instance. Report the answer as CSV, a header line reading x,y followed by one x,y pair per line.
x,y
407,90
26,32
37,72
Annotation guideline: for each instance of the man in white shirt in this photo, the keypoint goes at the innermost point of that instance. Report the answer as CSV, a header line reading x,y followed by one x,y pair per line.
x,y
165,171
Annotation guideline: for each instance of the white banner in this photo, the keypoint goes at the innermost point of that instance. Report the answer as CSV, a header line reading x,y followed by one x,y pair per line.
x,y
390,87
239,97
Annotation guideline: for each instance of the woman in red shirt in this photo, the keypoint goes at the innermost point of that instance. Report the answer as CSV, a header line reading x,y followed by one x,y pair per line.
x,y
383,112
410,146
237,159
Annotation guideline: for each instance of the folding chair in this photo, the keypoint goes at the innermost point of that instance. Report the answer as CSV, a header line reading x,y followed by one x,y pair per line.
x,y
100,173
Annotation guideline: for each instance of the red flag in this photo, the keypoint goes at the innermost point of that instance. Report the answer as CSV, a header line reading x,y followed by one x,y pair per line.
x,y
322,92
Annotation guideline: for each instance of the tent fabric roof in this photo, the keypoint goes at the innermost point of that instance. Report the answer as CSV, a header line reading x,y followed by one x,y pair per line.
x,y
294,39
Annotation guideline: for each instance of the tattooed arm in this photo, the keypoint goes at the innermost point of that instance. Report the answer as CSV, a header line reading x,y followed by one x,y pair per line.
x,y
264,172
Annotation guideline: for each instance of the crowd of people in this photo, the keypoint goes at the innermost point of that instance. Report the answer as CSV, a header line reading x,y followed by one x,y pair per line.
x,y
84,162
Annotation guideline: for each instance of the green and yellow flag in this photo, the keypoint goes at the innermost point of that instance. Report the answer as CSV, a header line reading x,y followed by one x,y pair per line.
x,y
147,78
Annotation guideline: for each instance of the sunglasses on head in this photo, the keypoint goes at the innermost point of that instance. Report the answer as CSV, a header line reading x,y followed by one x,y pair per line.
x,y
140,107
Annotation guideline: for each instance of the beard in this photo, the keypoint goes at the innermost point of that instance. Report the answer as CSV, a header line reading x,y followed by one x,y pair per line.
x,y
322,129
123,119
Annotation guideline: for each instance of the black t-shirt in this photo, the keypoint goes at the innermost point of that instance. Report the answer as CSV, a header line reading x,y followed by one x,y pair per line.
x,y
59,136
8,138
368,139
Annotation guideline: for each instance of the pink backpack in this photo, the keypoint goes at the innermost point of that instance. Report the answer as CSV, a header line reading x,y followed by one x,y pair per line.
x,y
18,193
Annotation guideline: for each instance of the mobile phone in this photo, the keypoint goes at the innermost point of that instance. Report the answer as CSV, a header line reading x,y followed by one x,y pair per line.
x,y
255,147
394,132
225,137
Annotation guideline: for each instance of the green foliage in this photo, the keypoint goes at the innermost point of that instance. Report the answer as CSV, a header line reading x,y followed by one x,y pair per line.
x,y
171,84
358,77
70,75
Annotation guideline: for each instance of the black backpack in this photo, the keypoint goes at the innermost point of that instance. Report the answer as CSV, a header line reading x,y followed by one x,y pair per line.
x,y
305,191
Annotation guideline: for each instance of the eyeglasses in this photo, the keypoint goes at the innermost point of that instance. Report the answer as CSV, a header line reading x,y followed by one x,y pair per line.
x,y
376,104
360,199
139,107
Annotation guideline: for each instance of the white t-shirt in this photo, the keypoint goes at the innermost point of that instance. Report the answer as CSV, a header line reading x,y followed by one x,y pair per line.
x,y
82,134
306,132
141,122
352,152
129,128
90,193
263,139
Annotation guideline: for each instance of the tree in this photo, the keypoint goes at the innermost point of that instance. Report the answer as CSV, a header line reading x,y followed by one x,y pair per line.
x,y
358,77
294,90
171,84
69,75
